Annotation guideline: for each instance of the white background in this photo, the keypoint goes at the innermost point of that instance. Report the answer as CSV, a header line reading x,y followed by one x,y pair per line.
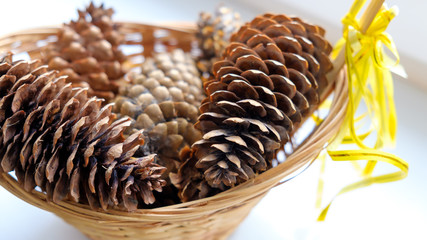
x,y
388,211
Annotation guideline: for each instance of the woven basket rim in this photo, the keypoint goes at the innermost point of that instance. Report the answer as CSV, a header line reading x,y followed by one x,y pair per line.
x,y
304,155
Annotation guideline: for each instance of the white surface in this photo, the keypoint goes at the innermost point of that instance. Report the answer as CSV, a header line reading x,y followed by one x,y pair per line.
x,y
388,211
408,28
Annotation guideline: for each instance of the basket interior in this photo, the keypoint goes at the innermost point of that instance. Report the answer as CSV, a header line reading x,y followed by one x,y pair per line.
x,y
141,41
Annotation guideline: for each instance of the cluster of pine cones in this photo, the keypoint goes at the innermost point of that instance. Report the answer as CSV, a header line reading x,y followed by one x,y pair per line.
x,y
81,129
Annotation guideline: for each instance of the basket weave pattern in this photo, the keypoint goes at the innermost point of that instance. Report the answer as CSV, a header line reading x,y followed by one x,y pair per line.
x,y
210,218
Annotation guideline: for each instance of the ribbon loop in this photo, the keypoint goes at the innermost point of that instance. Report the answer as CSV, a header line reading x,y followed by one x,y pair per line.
x,y
370,80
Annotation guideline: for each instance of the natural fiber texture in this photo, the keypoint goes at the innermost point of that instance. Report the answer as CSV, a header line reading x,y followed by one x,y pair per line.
x,y
211,218
56,138
265,85
87,52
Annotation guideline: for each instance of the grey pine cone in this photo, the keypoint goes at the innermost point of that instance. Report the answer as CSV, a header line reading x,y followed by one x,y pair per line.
x,y
163,101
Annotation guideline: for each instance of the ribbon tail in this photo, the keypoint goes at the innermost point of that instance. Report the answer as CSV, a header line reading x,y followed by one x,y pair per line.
x,y
371,155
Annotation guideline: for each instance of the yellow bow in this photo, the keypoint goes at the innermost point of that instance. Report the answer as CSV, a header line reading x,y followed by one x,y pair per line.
x,y
370,80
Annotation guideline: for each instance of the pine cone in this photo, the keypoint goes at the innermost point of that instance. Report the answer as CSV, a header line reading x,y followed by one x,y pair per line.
x,y
214,34
164,101
269,80
57,138
87,51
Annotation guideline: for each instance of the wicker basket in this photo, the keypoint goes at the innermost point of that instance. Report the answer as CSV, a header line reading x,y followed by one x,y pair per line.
x,y
210,218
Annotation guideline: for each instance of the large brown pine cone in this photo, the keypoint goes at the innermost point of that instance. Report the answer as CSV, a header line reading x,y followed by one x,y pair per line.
x,y
57,138
269,80
163,101
213,35
87,51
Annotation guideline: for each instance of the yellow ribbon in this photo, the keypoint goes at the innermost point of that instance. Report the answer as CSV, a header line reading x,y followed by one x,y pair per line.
x,y
370,80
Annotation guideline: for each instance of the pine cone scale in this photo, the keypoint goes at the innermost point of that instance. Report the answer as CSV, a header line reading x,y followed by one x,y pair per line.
x,y
87,51
163,102
269,78
53,136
